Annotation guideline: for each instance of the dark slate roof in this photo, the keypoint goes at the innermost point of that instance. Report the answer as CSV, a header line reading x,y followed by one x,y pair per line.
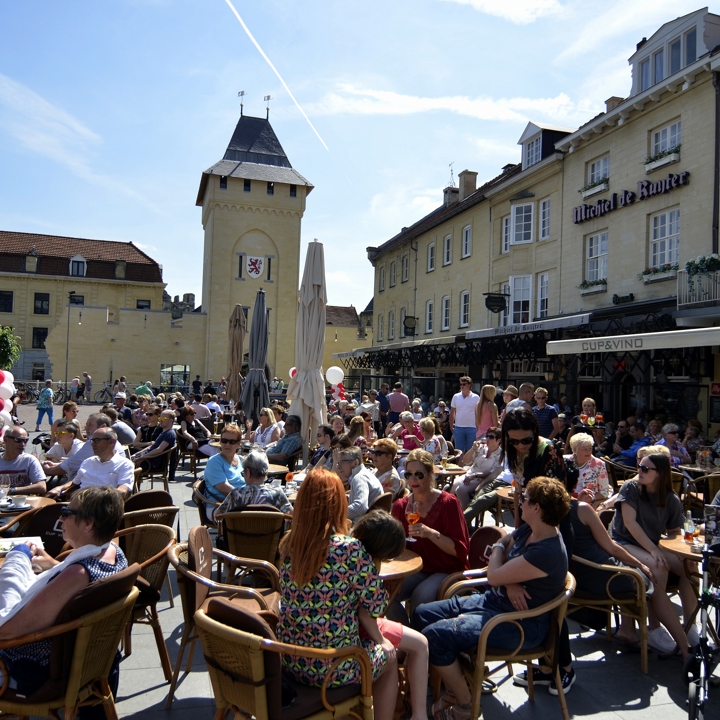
x,y
54,253
254,153
443,213
369,307
343,316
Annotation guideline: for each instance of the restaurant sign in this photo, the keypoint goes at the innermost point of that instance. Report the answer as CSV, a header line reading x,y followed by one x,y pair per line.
x,y
645,189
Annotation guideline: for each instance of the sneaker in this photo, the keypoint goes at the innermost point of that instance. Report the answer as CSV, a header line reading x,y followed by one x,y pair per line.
x,y
567,679
661,640
693,636
538,677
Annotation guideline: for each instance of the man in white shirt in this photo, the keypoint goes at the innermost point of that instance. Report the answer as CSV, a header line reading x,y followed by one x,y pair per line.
x,y
365,488
106,467
21,472
462,415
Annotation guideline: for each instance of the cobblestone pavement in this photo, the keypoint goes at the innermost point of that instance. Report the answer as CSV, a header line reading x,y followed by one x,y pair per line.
x,y
609,682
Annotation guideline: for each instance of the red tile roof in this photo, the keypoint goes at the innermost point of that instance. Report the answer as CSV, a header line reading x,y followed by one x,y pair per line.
x,y
342,316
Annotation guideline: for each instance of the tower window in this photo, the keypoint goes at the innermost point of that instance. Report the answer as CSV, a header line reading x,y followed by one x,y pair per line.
x,y
293,191
271,188
223,182
246,185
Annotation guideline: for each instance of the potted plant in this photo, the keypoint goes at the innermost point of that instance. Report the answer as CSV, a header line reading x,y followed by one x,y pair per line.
x,y
594,187
666,157
590,287
701,265
661,272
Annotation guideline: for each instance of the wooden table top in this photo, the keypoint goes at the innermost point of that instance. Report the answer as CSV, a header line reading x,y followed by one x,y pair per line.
x,y
697,470
677,546
506,493
34,502
405,564
451,470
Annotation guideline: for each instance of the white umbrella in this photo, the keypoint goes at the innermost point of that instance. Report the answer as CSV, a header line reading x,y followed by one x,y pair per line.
x,y
306,391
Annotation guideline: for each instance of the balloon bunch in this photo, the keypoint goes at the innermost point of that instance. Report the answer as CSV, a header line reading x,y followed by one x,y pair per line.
x,y
335,377
7,390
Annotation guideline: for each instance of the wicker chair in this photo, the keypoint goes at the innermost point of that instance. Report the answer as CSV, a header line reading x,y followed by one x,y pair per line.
x,y
148,548
161,472
201,501
474,664
84,643
148,499
701,491
17,522
617,473
43,523
193,565
244,664
632,605
185,452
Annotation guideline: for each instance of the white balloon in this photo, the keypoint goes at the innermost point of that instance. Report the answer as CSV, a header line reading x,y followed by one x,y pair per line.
x,y
9,377
6,390
335,375
5,417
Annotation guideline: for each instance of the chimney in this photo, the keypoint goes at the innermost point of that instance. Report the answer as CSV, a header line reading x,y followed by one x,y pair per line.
x,y
612,102
450,196
468,183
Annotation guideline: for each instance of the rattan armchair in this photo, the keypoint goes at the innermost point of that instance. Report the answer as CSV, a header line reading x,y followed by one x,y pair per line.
x,y
632,605
201,501
475,663
244,664
160,472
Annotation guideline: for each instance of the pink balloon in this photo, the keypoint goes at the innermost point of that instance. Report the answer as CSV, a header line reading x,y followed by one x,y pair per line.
x,y
293,372
2,404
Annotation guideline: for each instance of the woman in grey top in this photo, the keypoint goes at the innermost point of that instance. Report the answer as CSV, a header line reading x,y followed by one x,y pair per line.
x,y
646,508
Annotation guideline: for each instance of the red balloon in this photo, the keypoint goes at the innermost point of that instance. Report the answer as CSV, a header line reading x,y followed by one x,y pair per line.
x,y
2,404
2,377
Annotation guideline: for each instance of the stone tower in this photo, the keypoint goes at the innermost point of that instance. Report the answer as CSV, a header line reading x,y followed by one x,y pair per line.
x,y
252,206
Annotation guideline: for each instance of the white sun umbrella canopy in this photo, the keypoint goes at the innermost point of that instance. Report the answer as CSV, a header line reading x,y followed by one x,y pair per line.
x,y
306,391
255,393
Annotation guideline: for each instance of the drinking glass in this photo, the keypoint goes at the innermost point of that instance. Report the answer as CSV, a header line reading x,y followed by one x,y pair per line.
x,y
583,418
599,417
412,515
591,420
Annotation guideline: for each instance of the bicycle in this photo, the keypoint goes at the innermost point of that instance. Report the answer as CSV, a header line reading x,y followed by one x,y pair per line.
x,y
27,393
699,666
104,396
62,395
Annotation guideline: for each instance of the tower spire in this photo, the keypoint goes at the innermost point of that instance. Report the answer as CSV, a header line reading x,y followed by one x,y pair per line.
x,y
241,95
267,99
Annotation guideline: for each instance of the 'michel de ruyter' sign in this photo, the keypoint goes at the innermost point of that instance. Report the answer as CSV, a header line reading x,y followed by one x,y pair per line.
x,y
645,189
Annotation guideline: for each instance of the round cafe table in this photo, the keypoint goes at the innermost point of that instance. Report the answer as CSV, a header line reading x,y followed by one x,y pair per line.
x,y
505,496
444,474
34,502
393,572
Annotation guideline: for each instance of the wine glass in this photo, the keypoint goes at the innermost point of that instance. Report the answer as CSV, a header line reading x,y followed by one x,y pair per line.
x,y
583,418
412,515
591,420
599,417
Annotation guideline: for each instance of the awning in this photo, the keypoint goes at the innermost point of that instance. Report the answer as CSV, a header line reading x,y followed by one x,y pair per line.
x,y
396,346
540,325
700,337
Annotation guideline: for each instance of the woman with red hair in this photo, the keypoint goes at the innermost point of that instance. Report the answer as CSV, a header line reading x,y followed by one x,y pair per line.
x,y
327,579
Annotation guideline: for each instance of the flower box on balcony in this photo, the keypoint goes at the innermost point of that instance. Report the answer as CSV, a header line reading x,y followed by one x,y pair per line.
x,y
662,162
593,289
595,190
659,276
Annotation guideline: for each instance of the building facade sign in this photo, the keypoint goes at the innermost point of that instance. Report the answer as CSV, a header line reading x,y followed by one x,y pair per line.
x,y
567,321
645,189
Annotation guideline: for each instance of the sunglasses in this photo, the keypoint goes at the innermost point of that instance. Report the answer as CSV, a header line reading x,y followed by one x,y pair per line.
x,y
60,433
522,441
377,452
100,439
418,475
673,432
229,441
491,437
645,468
66,512
464,384
19,441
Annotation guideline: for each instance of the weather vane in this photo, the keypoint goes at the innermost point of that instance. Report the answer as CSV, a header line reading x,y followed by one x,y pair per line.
x,y
241,95
267,99
452,176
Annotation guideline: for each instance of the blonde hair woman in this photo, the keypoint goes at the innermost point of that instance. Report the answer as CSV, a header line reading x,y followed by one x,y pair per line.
x,y
486,412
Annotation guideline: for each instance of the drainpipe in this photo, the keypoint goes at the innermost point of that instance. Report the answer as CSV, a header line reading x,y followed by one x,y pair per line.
x,y
716,170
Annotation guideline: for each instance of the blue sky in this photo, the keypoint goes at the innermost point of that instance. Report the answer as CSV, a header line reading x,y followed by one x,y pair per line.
x,y
109,112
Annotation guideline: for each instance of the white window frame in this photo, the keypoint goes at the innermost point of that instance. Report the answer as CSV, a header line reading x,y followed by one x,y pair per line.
x,y
521,294
674,41
543,294
83,264
665,238
445,319
431,257
447,250
545,219
688,60
381,327
403,315
666,138
506,223
505,314
645,69
464,308
533,151
391,325
659,55
405,266
522,229
429,311
596,256
393,274
599,169
381,279
466,242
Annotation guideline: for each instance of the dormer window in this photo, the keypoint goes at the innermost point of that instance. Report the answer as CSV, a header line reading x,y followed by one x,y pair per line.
x,y
78,266
533,152
645,81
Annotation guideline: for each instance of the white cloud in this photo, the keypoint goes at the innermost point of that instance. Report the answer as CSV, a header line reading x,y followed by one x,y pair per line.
x,y
401,206
520,12
352,100
48,131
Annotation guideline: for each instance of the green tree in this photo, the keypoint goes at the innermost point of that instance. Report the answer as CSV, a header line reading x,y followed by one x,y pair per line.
x,y
10,348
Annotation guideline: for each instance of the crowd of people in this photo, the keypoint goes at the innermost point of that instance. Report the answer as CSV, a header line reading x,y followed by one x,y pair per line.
x,y
388,444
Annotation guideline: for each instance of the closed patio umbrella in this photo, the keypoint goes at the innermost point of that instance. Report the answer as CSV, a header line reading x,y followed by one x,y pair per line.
x,y
255,393
235,353
306,391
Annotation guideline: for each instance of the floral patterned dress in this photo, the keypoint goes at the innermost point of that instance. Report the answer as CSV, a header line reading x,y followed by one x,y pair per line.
x,y
324,612
592,476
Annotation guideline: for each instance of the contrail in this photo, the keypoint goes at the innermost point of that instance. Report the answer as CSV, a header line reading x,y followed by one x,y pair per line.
x,y
274,69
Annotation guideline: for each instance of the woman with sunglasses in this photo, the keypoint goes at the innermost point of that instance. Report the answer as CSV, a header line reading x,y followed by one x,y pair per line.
x,y
383,454
224,471
482,475
671,439
195,434
89,523
139,414
69,414
440,535
266,433
526,454
66,444
147,434
646,508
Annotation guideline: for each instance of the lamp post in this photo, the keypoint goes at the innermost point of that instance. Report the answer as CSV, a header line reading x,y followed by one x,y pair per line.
x,y
67,339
